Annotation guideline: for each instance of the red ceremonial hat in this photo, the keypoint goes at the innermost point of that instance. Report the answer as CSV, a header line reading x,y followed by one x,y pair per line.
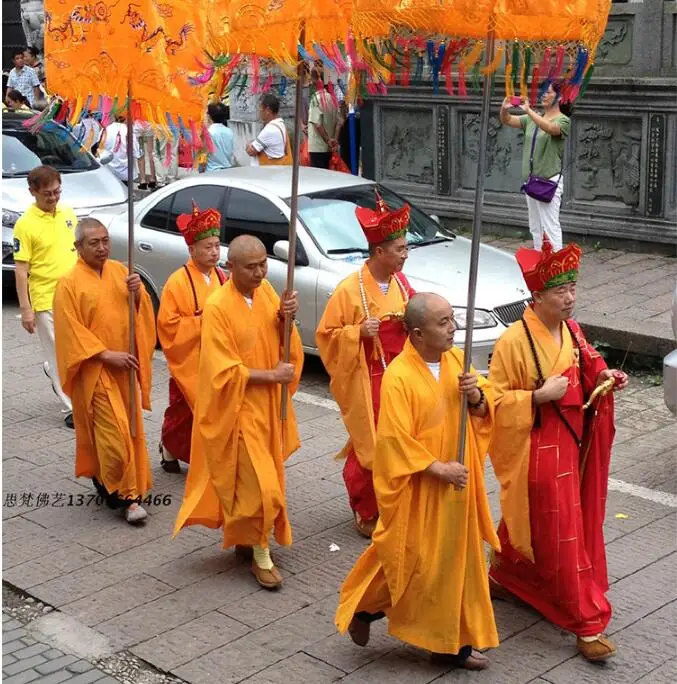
x,y
199,224
546,269
381,224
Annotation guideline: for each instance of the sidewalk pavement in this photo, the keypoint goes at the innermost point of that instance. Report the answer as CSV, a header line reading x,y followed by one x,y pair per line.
x,y
623,297
26,659
189,608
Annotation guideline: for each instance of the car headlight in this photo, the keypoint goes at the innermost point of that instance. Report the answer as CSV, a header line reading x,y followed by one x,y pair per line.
x,y
482,319
9,218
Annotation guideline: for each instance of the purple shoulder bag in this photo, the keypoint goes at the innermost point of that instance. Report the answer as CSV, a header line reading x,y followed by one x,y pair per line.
x,y
541,189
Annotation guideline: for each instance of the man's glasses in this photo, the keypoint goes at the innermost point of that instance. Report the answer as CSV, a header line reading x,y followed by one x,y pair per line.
x,y
50,193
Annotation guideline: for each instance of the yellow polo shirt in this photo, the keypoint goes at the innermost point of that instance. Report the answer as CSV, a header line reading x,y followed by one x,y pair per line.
x,y
47,243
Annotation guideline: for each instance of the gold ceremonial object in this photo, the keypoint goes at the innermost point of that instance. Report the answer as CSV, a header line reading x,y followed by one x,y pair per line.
x,y
600,391
392,315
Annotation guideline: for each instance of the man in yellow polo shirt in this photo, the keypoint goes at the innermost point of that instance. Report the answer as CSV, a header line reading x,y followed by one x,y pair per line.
x,y
44,248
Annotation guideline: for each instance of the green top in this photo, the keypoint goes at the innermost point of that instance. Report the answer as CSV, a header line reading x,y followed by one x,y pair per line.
x,y
549,149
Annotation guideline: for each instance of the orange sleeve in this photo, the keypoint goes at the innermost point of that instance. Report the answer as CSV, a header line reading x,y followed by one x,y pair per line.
x,y
511,444
340,347
179,333
75,343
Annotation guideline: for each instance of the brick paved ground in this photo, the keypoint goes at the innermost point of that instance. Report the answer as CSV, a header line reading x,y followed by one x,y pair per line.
x,y
25,659
192,609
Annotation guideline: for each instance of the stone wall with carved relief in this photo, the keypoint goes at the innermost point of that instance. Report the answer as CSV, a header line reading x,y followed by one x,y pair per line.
x,y
620,163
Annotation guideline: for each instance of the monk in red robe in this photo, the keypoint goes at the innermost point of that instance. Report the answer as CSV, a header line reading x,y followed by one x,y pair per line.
x,y
179,326
360,333
551,455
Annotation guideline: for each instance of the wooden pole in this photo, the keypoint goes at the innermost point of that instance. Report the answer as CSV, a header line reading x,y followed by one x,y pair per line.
x,y
130,257
294,204
475,244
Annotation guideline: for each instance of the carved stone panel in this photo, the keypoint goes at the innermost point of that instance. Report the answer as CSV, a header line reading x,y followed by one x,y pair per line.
x,y
408,146
655,165
608,160
504,154
244,105
616,44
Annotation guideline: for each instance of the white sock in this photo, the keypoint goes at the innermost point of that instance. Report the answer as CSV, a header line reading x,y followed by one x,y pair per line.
x,y
262,558
166,454
589,640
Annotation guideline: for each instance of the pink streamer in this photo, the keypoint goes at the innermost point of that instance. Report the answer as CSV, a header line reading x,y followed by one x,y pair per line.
x,y
332,93
207,139
195,138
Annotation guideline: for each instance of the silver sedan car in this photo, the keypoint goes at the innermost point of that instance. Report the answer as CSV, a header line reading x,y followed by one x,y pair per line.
x,y
331,244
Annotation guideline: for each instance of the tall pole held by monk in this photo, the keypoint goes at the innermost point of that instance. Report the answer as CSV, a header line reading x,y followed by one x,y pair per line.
x,y
476,232
130,256
294,204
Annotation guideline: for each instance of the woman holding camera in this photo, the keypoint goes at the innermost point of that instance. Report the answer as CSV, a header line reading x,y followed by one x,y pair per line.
x,y
544,136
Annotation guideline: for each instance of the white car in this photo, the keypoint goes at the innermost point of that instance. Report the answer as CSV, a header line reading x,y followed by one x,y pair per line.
x,y
86,183
331,244
670,365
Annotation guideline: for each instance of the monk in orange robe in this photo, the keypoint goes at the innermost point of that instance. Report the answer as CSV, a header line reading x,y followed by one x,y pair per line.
x,y
179,325
552,456
360,333
425,568
91,325
239,446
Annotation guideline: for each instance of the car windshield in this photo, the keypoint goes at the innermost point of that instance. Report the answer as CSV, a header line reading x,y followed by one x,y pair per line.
x,y
330,217
52,145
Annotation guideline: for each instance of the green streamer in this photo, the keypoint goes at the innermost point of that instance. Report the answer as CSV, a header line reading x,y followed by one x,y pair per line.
x,y
515,66
586,80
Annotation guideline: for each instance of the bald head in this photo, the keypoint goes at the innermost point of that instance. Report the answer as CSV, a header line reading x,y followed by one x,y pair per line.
x,y
245,247
86,224
247,263
420,307
92,242
429,319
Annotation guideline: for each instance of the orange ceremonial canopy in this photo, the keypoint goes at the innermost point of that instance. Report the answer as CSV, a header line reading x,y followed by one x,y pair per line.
x,y
94,49
271,28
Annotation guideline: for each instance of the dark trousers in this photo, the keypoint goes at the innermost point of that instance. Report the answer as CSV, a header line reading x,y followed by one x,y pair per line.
x,y
320,160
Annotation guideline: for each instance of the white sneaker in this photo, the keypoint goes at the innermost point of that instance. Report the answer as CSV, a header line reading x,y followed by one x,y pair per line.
x,y
135,513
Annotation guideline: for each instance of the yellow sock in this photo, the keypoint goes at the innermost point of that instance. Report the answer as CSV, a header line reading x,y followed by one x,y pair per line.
x,y
262,558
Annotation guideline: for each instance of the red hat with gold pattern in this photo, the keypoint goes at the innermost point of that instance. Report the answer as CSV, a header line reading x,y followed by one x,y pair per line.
x,y
546,269
381,225
199,225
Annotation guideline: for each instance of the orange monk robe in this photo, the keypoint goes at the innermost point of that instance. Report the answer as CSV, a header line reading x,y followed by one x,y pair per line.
x,y
236,475
511,369
425,567
343,354
91,315
179,324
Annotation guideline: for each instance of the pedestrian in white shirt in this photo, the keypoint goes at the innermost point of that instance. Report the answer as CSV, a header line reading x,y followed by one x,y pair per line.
x,y
116,144
23,78
271,146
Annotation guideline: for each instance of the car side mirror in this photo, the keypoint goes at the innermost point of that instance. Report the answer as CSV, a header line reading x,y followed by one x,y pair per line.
x,y
106,158
281,251
435,218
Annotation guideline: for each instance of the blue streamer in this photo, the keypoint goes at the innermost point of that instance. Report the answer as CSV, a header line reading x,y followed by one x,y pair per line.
x,y
436,63
172,126
283,85
324,57
305,55
581,63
